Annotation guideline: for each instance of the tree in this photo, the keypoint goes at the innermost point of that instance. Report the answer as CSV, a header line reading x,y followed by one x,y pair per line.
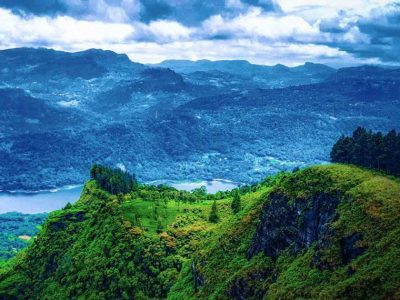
x,y
368,149
236,203
214,218
160,226
114,181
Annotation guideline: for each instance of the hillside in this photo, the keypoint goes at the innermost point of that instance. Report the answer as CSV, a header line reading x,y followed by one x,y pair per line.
x,y
62,112
326,232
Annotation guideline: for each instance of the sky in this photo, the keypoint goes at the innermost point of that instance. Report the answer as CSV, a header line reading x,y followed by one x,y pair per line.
x,y
291,32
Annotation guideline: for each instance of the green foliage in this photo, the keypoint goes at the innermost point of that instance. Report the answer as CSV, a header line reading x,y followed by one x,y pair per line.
x,y
214,218
369,205
17,231
114,181
368,149
236,204
157,243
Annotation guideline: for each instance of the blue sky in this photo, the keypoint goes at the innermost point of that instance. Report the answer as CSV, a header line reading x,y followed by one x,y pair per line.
x,y
338,33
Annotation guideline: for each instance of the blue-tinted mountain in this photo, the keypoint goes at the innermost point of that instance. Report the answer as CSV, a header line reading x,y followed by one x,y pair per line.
x,y
20,112
42,63
162,123
270,76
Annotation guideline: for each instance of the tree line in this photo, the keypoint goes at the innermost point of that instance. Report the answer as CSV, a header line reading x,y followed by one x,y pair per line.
x,y
368,149
114,181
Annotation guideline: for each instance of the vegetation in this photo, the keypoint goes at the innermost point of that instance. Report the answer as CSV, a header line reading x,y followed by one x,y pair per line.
x,y
214,218
236,204
157,242
17,231
371,150
114,181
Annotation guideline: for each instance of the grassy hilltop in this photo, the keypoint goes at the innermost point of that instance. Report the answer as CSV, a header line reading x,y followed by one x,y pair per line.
x,y
326,232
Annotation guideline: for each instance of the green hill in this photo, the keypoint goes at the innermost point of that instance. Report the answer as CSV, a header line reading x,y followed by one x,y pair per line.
x,y
327,232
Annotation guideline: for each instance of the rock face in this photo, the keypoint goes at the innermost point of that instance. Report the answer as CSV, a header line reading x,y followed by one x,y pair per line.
x,y
296,224
198,280
349,247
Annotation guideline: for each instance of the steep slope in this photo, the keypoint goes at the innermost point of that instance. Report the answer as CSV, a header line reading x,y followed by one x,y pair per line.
x,y
222,122
328,232
21,113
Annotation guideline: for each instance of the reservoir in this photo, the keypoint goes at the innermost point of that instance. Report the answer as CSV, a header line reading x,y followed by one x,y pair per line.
x,y
47,201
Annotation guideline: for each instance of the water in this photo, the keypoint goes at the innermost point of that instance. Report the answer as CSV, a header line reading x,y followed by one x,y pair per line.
x,y
212,186
39,202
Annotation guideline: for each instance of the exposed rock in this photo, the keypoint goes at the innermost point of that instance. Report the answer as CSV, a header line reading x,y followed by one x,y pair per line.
x,y
296,224
198,280
62,222
350,249
244,286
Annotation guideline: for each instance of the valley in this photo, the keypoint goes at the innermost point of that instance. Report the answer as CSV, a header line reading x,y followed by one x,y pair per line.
x,y
194,121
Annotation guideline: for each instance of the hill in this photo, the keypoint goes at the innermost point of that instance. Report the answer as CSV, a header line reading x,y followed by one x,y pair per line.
x,y
62,112
326,232
252,74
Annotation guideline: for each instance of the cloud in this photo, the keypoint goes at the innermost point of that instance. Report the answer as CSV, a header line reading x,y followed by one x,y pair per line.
x,y
187,12
37,7
262,31
376,34
256,25
59,32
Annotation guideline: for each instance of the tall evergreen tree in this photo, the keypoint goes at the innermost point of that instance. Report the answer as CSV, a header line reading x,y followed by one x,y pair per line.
x,y
236,203
214,218
368,149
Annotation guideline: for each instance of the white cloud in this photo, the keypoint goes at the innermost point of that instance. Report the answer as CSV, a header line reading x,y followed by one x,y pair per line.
x,y
257,25
41,31
256,52
301,33
162,31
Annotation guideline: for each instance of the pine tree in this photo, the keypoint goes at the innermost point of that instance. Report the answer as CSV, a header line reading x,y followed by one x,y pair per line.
x,y
214,218
236,203
368,149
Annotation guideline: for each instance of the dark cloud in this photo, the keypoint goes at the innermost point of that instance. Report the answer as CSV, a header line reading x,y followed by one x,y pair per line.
x,y
36,7
155,9
381,31
193,12
187,12
264,4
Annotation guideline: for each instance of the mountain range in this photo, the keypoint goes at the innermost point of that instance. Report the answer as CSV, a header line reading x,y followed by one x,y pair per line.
x,y
61,112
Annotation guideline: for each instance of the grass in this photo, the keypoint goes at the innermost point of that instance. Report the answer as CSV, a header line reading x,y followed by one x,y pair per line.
x,y
162,240
149,214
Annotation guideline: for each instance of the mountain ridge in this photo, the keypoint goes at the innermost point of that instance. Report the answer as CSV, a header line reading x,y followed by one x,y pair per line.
x,y
158,243
167,124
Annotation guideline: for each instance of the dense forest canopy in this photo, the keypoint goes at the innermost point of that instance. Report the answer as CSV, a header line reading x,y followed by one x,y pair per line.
x,y
368,149
114,181
158,243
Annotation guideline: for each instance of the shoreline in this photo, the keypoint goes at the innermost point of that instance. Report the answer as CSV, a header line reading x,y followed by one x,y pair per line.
x,y
169,182
50,190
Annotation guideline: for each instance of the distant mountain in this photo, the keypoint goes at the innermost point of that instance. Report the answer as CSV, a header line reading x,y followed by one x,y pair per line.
x,y
267,76
367,72
60,112
44,63
20,113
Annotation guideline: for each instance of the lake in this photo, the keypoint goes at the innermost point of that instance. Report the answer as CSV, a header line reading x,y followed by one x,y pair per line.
x,y
39,202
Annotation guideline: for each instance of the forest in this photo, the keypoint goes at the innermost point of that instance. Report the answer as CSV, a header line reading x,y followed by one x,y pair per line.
x,y
155,242
368,149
